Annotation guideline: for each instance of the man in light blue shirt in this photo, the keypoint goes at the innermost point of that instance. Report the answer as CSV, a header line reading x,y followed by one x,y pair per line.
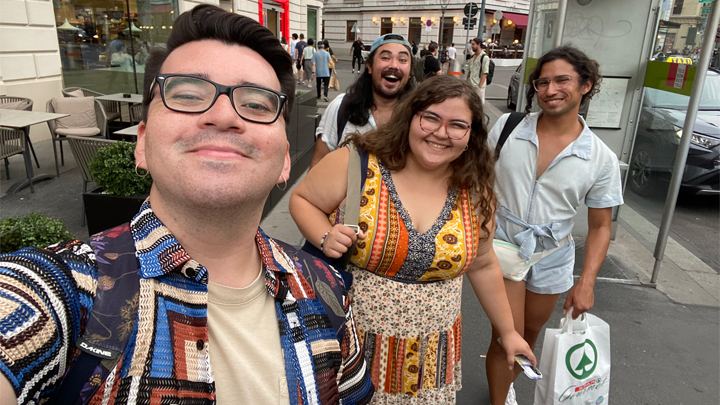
x,y
549,165
321,65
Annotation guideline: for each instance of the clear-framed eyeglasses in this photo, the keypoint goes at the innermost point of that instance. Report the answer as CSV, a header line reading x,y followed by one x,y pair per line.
x,y
560,82
195,94
431,123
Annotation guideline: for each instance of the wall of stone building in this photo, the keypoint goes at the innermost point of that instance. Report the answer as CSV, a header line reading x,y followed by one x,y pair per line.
x,y
29,54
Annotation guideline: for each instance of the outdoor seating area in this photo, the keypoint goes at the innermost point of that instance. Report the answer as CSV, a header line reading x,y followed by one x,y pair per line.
x,y
79,113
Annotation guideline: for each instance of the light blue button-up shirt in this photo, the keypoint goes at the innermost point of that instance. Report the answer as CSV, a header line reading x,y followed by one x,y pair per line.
x,y
536,214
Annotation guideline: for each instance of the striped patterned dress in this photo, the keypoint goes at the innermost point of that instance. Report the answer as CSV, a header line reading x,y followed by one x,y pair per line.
x,y
407,292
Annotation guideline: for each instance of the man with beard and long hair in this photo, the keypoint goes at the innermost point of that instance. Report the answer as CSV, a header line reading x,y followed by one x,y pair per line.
x,y
369,102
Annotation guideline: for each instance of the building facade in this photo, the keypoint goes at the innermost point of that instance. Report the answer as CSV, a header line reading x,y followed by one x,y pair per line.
x,y
101,45
422,21
682,23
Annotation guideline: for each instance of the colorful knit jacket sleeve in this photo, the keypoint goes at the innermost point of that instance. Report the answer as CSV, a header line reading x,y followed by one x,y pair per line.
x,y
45,297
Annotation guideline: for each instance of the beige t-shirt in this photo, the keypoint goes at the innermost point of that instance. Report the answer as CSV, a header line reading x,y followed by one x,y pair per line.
x,y
245,352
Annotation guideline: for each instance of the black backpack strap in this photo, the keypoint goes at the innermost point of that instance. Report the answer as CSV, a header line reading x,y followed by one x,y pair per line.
x,y
512,122
112,318
481,64
342,117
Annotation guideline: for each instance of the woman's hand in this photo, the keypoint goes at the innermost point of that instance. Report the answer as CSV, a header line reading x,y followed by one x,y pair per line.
x,y
514,344
339,240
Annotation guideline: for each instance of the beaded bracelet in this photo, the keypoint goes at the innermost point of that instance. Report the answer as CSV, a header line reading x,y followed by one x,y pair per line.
x,y
322,242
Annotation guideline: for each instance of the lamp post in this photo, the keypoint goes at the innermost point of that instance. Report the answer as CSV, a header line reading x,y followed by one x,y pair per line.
x,y
443,7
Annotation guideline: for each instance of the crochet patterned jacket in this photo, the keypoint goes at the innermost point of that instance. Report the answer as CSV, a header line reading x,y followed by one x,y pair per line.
x,y
47,294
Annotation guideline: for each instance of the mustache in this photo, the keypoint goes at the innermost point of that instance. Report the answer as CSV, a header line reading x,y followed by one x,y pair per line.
x,y
392,71
214,137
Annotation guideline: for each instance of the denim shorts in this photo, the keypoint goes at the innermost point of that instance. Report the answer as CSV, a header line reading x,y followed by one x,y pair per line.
x,y
553,274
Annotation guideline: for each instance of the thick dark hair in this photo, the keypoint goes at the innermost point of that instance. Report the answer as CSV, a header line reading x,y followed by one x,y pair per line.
x,y
477,40
588,70
359,95
474,170
432,47
205,22
294,36
310,42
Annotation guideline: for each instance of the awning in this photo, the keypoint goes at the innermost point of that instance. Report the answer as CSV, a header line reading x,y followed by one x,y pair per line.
x,y
520,20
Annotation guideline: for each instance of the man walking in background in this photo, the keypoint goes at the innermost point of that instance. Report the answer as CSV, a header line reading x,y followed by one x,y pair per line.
x,y
298,56
432,65
356,50
321,66
306,56
479,66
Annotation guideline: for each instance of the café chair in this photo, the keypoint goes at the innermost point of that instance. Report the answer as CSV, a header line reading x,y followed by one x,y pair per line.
x,y
22,104
12,142
112,108
84,149
86,119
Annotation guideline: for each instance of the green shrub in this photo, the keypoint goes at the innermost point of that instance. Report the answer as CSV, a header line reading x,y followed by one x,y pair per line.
x,y
113,169
34,230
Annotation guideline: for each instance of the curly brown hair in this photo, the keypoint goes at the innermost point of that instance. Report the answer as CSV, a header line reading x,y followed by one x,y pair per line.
x,y
588,70
474,170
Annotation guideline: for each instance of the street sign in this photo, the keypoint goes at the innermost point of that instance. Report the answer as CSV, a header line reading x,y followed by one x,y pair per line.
x,y
705,9
355,29
428,28
495,28
498,15
706,1
428,23
472,21
469,27
471,9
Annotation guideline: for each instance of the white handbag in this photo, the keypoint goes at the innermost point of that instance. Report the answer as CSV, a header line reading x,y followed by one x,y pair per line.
x,y
515,267
575,363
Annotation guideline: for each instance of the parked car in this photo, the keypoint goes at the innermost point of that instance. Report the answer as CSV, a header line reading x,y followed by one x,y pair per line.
x,y
658,136
513,87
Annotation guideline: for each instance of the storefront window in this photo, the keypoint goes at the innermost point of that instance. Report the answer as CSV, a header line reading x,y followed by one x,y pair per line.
x,y
415,30
104,44
312,23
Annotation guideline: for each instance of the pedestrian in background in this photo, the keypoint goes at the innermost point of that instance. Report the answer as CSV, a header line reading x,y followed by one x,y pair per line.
x,y
408,263
356,51
307,55
322,65
478,68
538,200
298,56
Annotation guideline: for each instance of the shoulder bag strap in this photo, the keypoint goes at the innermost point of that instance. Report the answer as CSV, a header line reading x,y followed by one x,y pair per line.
x,y
510,125
352,199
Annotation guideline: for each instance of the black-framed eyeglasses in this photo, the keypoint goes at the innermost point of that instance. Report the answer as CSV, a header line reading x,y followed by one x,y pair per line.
x,y
430,123
560,82
194,94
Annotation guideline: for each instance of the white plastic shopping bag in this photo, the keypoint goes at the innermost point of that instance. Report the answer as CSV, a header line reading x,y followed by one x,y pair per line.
x,y
575,363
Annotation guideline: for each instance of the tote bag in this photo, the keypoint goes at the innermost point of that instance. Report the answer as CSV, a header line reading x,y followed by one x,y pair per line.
x,y
575,363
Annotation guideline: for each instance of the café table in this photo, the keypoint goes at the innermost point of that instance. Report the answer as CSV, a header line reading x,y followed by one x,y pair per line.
x,y
129,131
120,98
22,120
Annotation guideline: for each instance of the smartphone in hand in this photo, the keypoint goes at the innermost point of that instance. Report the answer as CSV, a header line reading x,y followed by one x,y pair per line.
x,y
531,371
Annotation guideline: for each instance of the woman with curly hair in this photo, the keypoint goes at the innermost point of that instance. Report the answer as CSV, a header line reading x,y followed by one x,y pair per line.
x,y
426,219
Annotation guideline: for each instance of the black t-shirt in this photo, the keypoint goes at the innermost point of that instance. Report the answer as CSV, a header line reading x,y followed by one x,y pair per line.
x,y
414,49
432,65
357,48
300,46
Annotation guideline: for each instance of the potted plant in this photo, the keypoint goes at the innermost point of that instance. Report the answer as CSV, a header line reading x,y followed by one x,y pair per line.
x,y
33,230
120,191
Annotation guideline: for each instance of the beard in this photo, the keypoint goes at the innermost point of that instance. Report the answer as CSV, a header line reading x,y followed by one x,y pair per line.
x,y
380,90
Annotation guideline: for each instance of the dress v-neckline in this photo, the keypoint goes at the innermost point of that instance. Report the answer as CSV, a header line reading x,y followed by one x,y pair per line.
x,y
439,221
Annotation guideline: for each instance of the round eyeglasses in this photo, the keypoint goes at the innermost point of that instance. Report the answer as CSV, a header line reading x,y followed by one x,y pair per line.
x,y
431,123
194,94
560,82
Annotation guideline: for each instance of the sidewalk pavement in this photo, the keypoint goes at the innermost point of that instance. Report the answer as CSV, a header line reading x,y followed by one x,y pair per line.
x,y
665,341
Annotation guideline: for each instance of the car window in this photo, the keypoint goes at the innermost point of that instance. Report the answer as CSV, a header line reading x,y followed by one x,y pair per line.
x,y
710,97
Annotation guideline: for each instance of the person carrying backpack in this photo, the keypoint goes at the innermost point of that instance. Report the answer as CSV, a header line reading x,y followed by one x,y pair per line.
x,y
480,68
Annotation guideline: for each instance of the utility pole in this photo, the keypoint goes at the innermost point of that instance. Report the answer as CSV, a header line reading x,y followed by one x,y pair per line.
x,y
482,20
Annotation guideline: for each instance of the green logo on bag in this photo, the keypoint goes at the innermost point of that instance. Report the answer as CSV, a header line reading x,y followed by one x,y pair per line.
x,y
581,359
